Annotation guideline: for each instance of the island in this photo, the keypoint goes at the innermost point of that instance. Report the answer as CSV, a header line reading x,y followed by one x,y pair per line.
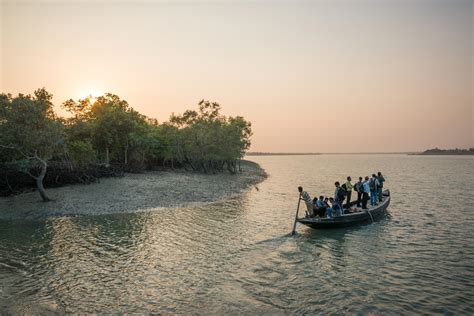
x,y
456,151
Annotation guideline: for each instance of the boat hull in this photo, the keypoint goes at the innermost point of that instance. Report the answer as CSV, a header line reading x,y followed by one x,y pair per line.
x,y
373,214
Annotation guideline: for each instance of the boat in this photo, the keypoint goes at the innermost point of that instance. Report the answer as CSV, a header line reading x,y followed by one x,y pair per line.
x,y
372,214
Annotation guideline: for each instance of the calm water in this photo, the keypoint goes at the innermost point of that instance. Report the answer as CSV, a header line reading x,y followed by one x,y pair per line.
x,y
236,256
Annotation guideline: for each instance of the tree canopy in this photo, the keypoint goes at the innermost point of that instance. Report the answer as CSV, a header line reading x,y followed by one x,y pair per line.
x,y
30,134
108,131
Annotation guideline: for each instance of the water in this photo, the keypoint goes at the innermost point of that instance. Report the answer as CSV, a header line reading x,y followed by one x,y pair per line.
x,y
237,256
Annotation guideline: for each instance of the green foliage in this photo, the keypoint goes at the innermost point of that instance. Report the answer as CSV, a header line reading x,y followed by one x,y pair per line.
x,y
82,153
145,147
29,127
112,121
30,133
109,131
108,123
206,140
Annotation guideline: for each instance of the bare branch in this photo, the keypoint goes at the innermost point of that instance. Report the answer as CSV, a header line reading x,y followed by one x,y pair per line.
x,y
31,175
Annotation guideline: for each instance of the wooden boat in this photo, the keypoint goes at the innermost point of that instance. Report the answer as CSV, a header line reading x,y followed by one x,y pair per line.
x,y
364,216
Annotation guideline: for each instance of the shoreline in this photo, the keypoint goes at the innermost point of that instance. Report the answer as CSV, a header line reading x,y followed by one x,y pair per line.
x,y
132,193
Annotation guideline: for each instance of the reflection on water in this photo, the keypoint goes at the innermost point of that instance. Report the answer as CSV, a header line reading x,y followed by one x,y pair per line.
x,y
237,255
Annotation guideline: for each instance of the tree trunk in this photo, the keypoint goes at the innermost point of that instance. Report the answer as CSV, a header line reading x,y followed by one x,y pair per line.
x,y
68,160
41,190
125,158
230,167
107,158
39,182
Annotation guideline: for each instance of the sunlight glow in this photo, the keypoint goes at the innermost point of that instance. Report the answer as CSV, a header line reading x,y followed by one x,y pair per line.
x,y
90,93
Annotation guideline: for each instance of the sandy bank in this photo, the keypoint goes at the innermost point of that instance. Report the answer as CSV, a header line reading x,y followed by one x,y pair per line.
x,y
132,193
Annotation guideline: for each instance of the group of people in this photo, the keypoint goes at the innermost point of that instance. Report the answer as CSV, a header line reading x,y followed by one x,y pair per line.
x,y
366,188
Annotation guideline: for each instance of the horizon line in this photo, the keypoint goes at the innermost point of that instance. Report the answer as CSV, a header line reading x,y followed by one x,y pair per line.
x,y
258,153
254,153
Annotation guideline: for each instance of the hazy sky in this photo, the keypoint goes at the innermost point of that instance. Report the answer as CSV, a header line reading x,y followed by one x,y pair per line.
x,y
312,76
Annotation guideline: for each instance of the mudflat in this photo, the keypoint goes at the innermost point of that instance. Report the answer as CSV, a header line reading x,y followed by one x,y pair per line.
x,y
132,193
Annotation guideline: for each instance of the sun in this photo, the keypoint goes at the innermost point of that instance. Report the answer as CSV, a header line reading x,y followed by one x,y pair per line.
x,y
92,94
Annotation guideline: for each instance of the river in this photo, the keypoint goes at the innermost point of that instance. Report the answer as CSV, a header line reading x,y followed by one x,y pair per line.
x,y
236,256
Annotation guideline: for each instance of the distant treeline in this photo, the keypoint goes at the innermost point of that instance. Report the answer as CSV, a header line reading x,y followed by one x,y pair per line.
x,y
456,151
105,136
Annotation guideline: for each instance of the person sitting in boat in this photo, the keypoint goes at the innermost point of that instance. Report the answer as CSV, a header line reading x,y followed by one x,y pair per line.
x,y
326,202
318,207
307,200
329,210
336,207
315,206
322,206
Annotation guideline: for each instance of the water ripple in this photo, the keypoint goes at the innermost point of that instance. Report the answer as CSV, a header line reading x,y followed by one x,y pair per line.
x,y
237,256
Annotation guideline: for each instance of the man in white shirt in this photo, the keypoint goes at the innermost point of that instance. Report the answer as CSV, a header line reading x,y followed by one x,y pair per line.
x,y
307,199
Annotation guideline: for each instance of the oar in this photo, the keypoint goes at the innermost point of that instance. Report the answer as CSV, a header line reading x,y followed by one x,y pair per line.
x,y
296,216
368,211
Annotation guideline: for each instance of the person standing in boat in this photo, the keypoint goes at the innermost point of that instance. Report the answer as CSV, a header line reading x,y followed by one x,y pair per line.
x,y
349,187
381,180
339,194
307,199
365,194
374,187
359,188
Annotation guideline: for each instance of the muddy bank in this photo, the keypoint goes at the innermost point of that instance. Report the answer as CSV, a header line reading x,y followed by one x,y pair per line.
x,y
132,193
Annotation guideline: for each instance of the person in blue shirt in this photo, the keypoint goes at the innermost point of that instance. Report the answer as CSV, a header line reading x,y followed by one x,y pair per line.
x,y
321,206
365,194
374,188
320,202
336,207
329,210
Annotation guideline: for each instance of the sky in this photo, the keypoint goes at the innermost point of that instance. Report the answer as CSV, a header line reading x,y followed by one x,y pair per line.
x,y
311,76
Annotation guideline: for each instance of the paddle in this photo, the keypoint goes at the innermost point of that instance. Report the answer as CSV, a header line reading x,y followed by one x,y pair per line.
x,y
296,216
368,211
